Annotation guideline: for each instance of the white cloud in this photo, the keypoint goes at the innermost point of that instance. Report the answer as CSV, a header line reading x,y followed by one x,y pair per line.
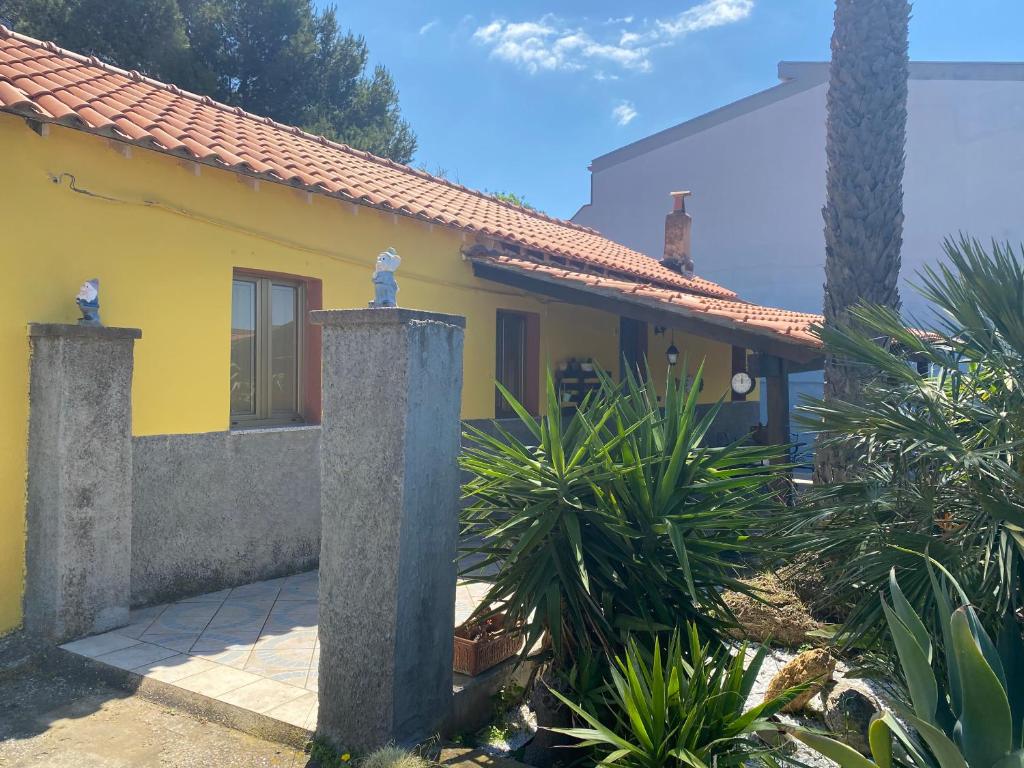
x,y
428,26
553,44
624,112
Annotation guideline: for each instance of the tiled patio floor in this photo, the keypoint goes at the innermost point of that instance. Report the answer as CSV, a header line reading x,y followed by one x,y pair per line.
x,y
253,646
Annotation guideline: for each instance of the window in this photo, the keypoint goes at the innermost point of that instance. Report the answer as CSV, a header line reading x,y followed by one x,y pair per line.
x,y
517,348
268,331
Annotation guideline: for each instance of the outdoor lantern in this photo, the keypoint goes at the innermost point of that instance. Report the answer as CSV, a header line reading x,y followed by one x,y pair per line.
x,y
672,354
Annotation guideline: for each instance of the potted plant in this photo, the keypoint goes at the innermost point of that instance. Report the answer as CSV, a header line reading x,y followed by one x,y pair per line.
x,y
480,645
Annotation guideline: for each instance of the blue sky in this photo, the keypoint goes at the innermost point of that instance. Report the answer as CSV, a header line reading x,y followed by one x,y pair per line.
x,y
520,96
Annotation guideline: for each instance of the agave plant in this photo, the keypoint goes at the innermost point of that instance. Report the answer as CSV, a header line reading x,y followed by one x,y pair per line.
x,y
684,708
971,716
939,429
619,520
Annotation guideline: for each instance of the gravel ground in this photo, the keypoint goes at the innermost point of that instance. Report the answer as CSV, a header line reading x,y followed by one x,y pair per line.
x,y
57,718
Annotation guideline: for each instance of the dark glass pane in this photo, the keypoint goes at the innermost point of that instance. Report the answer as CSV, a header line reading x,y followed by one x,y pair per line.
x,y
511,359
243,348
284,349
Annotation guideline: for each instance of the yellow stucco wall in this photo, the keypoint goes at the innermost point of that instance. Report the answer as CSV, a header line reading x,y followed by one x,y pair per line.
x,y
164,246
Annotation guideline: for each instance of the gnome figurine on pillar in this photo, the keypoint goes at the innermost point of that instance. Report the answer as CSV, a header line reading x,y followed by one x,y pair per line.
x,y
88,301
385,287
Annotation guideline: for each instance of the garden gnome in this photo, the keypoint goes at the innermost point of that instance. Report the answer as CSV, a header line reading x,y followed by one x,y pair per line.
x,y
88,301
385,288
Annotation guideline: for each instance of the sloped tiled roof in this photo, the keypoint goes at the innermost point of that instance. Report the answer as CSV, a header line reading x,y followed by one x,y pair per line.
x,y
45,82
781,324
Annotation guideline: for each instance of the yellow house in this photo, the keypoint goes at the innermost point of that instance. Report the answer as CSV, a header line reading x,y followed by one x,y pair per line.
x,y
215,231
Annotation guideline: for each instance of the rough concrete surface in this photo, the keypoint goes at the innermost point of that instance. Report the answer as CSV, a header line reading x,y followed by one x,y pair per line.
x,y
62,719
392,380
78,509
221,509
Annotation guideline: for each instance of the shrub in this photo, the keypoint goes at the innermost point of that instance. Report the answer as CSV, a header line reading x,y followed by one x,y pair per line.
x,y
393,757
681,708
619,520
941,468
969,716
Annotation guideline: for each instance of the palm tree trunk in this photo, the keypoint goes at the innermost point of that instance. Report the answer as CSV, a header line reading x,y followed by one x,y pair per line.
x,y
866,135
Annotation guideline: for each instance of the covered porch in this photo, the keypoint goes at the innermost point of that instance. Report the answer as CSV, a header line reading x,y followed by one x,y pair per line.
x,y
766,343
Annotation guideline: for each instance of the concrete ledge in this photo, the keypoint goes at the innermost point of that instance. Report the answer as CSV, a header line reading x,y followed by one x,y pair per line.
x,y
383,316
473,700
67,330
167,694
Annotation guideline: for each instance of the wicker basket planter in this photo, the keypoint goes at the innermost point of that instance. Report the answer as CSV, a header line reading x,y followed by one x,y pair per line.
x,y
478,647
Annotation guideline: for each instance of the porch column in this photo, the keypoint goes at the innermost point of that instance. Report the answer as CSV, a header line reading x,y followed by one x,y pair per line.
x,y
392,381
79,510
776,379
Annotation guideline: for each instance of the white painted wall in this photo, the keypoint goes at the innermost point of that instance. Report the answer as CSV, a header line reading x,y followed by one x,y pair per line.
x,y
758,183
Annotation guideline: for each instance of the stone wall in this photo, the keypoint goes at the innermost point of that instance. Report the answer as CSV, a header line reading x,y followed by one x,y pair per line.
x,y
220,509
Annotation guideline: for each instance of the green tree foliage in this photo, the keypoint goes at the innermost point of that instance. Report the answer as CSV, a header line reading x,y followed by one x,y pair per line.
x,y
145,35
942,469
513,198
282,59
865,138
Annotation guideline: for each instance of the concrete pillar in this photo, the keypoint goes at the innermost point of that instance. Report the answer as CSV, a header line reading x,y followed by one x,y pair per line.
x,y
392,381
78,551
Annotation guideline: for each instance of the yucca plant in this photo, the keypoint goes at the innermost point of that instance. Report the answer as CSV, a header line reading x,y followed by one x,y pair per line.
x,y
683,707
968,717
939,427
619,520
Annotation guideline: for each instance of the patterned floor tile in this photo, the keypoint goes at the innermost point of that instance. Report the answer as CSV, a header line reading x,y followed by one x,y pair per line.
x,y
261,661
262,695
180,641
136,656
296,639
140,621
296,711
97,645
213,641
231,657
240,615
216,681
256,645
210,597
183,617
270,588
287,616
174,668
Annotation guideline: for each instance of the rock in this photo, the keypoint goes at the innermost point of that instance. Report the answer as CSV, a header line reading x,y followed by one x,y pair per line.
x,y
544,749
779,617
817,665
849,710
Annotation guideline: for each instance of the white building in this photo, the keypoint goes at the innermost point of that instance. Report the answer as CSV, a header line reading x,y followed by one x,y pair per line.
x,y
756,168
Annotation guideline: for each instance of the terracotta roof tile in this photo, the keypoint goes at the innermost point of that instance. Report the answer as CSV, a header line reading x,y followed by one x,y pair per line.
x,y
793,326
51,84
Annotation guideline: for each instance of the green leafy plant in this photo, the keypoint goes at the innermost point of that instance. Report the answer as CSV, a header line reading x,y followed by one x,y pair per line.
x,y
969,717
939,428
618,520
681,708
394,757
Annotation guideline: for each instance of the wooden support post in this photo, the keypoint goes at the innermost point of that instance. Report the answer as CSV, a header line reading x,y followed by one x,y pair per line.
x,y
776,377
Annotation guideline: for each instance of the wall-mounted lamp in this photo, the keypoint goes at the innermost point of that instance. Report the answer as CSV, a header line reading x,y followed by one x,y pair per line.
x,y
672,353
659,330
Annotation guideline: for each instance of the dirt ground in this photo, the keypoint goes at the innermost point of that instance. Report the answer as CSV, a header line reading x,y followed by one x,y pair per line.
x,y
64,718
